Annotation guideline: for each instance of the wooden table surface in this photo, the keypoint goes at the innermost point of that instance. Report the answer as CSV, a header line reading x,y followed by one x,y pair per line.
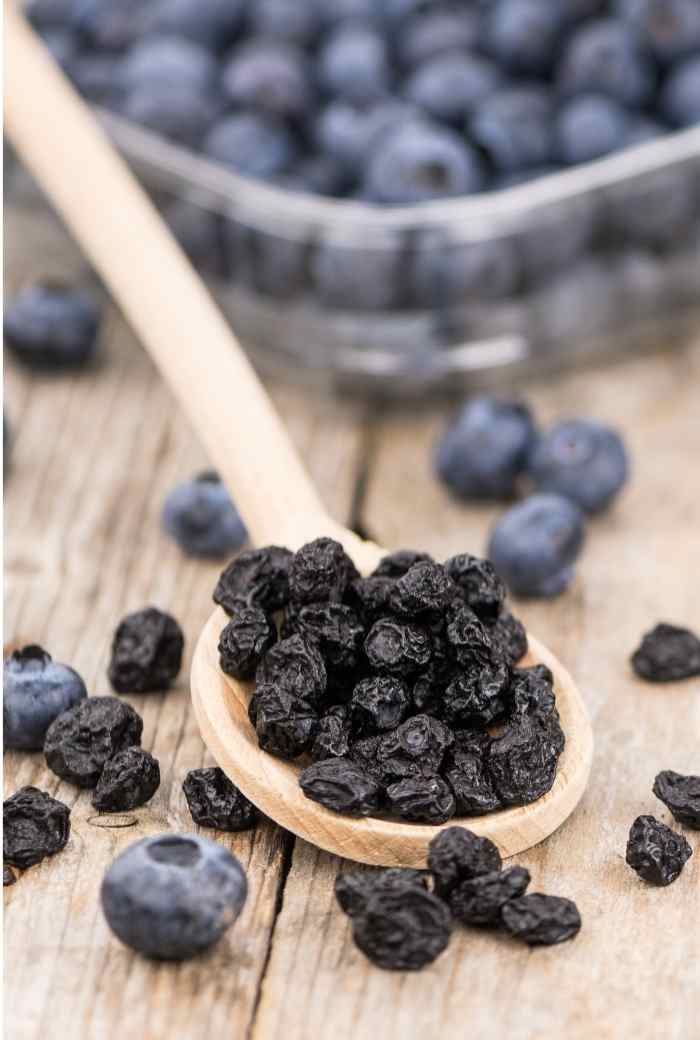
x,y
93,456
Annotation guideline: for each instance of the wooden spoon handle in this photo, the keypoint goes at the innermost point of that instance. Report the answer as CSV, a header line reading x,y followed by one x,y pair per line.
x,y
158,290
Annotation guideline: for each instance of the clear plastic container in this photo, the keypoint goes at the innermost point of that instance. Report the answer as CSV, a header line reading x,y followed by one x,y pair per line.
x,y
591,261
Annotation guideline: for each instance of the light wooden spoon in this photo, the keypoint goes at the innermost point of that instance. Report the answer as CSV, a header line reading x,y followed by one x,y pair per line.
x,y
198,355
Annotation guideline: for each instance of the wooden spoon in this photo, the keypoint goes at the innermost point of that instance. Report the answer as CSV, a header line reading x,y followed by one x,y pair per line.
x,y
198,355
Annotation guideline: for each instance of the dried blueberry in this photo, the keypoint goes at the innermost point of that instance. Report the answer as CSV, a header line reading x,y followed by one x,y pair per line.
x,y
81,740
320,572
480,900
481,588
340,785
214,801
541,920
294,666
402,930
655,852
352,890
682,796
421,799
424,589
522,762
36,690
415,749
398,563
244,641
509,637
51,326
146,652
201,517
397,648
466,772
173,895
35,825
129,779
582,460
531,692
285,723
468,640
332,738
476,697
667,653
370,597
335,629
258,577
456,855
377,704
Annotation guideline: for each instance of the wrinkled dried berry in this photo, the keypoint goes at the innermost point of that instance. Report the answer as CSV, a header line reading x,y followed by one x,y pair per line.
x,y
475,697
294,666
480,900
339,784
214,801
396,564
395,648
415,749
424,589
402,930
466,772
682,796
128,780
522,762
321,572
35,825
468,640
378,704
656,852
244,641
370,597
146,652
352,890
531,693
365,754
335,629
666,654
8,876
421,799
258,577
81,740
482,589
541,920
332,738
456,855
286,724
509,637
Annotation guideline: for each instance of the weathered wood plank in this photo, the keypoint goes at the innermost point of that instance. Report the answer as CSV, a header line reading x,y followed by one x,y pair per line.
x,y
93,456
634,964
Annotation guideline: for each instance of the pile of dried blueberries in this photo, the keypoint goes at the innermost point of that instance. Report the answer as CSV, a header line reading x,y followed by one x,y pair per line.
x,y
402,687
400,923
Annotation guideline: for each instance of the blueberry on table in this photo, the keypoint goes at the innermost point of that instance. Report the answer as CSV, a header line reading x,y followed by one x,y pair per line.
x,y
667,653
456,855
655,852
342,786
681,794
680,96
523,35
268,76
36,690
154,62
605,57
582,460
353,889
129,779
214,801
450,86
353,62
535,545
256,578
253,144
541,920
421,800
480,900
146,652
484,451
589,127
402,929
35,825
81,740
244,642
51,326
173,896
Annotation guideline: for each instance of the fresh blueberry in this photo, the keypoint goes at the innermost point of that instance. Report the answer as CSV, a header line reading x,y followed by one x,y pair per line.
x,y
523,35
680,97
484,451
438,30
182,114
168,61
450,86
285,20
202,519
211,23
514,126
535,544
582,460
353,63
62,46
35,691
420,161
642,129
44,14
669,28
254,145
108,26
395,12
348,133
445,272
654,210
354,276
589,127
51,326
333,11
173,896
604,57
198,231
269,76
317,174
97,78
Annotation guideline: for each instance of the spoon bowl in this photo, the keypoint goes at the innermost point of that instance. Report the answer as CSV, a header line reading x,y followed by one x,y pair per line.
x,y
272,784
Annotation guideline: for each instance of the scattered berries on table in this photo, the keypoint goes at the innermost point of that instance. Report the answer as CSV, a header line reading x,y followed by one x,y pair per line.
x,y
129,779
214,801
51,326
581,459
681,794
146,652
201,517
541,920
82,739
35,825
655,852
403,929
667,653
36,690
